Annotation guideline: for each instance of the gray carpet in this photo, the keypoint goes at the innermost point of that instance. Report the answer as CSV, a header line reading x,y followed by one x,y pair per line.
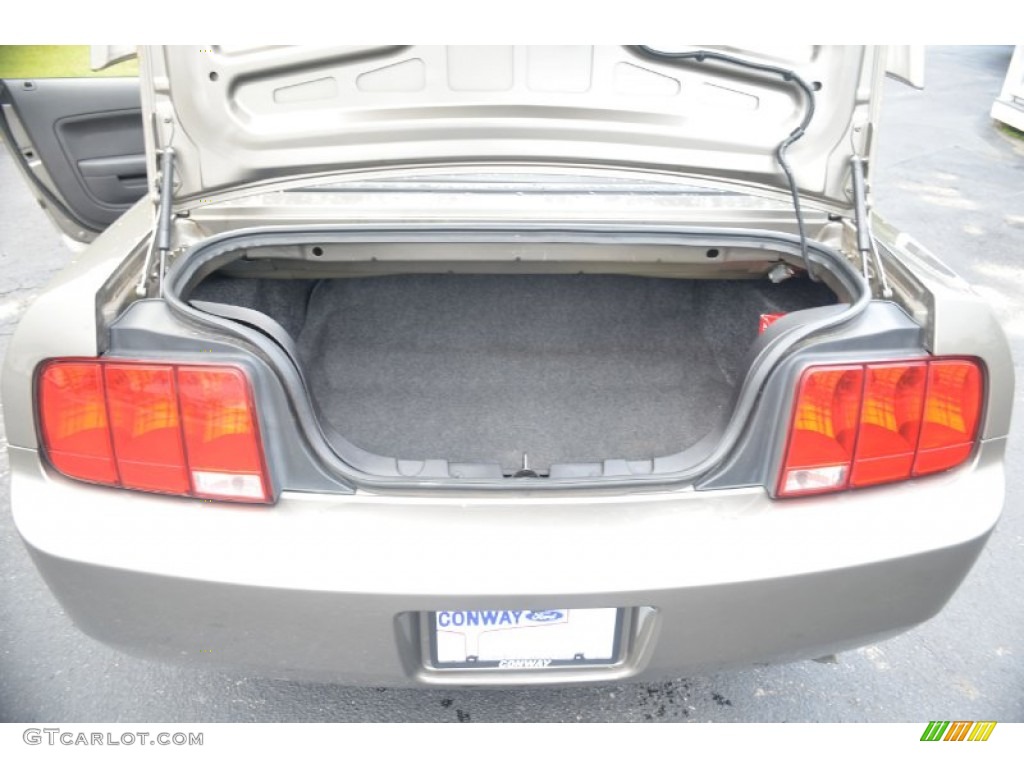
x,y
561,367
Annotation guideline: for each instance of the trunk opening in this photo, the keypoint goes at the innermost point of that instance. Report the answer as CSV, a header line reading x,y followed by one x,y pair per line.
x,y
523,369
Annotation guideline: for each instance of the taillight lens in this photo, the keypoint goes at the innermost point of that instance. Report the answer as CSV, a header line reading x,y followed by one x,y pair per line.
x,y
221,436
950,419
179,429
75,427
824,430
146,427
890,422
861,425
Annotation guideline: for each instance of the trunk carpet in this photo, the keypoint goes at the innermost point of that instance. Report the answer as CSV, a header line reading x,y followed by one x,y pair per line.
x,y
561,367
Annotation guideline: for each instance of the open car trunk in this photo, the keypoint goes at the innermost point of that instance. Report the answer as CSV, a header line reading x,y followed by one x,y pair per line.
x,y
528,369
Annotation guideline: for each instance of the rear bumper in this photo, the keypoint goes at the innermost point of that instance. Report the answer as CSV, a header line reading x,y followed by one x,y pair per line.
x,y
333,588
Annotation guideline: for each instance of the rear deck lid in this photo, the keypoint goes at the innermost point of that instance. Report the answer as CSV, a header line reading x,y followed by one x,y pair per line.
x,y
241,116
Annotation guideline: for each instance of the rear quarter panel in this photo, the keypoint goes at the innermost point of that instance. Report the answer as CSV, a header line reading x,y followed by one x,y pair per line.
x,y
957,320
62,322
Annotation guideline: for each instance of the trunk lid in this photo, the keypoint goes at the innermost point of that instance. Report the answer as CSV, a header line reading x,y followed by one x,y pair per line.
x,y
239,116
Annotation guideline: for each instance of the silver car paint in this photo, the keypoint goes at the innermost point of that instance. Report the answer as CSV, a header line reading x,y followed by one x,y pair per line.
x,y
328,587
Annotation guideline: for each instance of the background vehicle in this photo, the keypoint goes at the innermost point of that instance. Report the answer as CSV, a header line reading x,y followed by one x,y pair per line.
x,y
1009,106
786,556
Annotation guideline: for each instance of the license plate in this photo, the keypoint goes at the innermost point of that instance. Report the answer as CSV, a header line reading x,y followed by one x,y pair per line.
x,y
525,639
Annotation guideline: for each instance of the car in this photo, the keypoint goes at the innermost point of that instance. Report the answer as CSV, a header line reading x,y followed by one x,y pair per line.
x,y
492,365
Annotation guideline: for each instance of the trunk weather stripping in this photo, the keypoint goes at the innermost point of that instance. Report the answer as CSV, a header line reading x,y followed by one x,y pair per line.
x,y
700,56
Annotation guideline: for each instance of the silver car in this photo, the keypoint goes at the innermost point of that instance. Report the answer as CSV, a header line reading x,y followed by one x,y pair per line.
x,y
443,366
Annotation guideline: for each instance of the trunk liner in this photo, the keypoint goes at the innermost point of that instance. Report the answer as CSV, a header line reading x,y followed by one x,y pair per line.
x,y
565,368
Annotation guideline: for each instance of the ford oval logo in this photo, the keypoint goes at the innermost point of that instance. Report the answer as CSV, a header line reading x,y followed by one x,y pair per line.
x,y
545,615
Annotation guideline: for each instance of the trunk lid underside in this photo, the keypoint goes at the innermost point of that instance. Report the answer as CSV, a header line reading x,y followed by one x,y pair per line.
x,y
238,116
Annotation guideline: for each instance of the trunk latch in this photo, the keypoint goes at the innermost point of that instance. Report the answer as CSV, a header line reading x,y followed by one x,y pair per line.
x,y
526,471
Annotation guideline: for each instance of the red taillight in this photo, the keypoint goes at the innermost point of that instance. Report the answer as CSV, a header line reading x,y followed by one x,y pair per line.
x,y
221,436
890,422
950,419
860,425
144,421
75,427
824,430
181,429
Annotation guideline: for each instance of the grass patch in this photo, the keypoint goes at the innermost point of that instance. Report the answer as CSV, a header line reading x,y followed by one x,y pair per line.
x,y
36,61
1009,130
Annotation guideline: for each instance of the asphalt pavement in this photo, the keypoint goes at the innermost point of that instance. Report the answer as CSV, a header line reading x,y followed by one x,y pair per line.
x,y
944,173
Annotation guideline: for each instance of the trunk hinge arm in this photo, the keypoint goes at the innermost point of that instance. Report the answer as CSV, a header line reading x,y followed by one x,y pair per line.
x,y
161,241
865,239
